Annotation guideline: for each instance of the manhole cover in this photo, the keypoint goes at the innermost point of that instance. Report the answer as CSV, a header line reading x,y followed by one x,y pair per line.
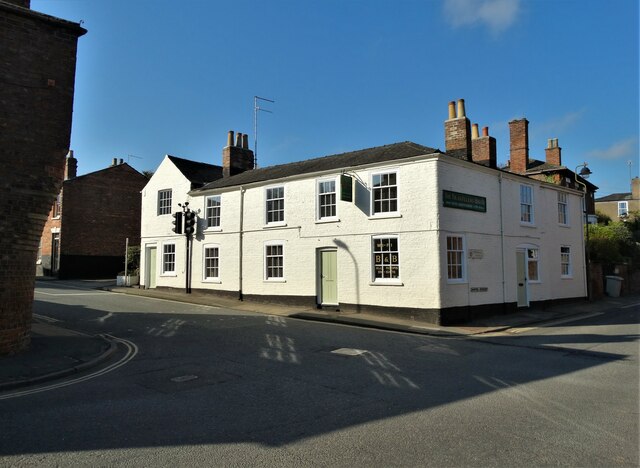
x,y
349,351
184,378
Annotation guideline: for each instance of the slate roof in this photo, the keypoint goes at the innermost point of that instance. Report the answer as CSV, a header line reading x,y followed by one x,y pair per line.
x,y
393,152
198,173
615,197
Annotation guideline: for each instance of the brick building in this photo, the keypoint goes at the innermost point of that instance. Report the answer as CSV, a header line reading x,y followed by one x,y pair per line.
x,y
90,220
37,77
619,206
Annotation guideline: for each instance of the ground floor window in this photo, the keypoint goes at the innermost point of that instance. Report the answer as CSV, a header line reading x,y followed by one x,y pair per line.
x,y
532,264
211,262
565,261
274,261
455,258
386,258
168,258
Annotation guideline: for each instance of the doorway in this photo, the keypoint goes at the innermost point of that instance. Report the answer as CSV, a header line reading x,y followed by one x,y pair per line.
x,y
328,278
151,256
55,253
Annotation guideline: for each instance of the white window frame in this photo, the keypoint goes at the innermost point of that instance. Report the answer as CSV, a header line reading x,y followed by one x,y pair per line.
x,y
396,186
283,221
463,258
164,208
267,254
375,280
623,208
527,203
205,278
565,259
527,251
57,207
320,195
208,213
175,259
563,209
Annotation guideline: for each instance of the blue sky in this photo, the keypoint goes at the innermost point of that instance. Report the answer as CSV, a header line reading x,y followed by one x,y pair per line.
x,y
158,77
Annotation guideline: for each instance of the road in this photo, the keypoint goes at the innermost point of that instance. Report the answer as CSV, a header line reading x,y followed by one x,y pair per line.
x,y
214,387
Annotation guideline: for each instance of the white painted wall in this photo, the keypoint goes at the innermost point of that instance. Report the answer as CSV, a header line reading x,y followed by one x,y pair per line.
x,y
422,226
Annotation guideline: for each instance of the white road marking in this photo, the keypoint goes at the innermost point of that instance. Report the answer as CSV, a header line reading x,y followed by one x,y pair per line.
x,y
44,318
630,305
132,350
97,293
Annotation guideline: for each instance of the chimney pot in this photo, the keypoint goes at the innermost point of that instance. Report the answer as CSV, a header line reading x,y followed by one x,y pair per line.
x,y
239,140
121,161
114,161
245,141
461,112
474,131
485,131
230,138
452,110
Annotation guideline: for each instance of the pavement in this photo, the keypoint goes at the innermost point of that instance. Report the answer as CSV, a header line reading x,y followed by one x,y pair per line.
x,y
57,352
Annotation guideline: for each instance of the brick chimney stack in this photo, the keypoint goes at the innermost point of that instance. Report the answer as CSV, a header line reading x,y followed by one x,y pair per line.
x,y
237,158
70,167
553,152
483,148
519,142
457,131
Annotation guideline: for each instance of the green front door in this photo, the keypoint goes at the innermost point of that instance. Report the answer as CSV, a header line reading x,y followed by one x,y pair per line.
x,y
328,277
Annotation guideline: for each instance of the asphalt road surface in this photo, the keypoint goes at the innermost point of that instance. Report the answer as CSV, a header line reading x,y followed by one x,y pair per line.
x,y
213,387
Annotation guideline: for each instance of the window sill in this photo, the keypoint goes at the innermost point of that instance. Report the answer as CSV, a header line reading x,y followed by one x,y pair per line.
x,y
327,220
385,215
566,277
461,281
527,225
275,281
168,275
211,281
274,225
564,225
213,229
386,283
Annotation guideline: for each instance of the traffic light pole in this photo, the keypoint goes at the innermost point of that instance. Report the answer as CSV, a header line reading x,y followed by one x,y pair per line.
x,y
189,229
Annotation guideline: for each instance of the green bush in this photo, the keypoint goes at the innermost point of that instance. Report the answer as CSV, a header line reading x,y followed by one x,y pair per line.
x,y
133,260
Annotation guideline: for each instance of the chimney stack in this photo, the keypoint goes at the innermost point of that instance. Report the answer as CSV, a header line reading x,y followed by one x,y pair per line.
x,y
553,152
236,158
114,161
635,189
70,167
483,149
519,144
457,132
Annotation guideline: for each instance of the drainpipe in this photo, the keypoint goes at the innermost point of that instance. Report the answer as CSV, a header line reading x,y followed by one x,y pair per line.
x,y
504,285
240,239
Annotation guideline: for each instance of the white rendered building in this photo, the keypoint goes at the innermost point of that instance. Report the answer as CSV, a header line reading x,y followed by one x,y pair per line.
x,y
399,229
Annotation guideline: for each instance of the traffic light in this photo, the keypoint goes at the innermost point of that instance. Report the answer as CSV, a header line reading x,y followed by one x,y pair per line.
x,y
189,222
177,222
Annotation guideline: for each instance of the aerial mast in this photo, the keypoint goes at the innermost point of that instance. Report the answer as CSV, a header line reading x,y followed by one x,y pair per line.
x,y
257,108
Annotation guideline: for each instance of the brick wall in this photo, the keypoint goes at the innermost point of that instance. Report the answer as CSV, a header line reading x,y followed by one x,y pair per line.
x,y
38,54
100,211
519,145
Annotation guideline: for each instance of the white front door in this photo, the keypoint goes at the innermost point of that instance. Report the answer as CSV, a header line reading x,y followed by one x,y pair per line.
x,y
521,273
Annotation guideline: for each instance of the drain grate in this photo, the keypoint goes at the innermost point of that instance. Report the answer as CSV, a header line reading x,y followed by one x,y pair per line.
x,y
184,378
349,351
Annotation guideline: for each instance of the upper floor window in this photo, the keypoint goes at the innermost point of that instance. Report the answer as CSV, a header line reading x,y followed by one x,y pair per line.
x,y
164,202
565,261
57,206
455,259
213,211
563,216
275,205
526,204
386,258
385,193
623,208
168,258
326,199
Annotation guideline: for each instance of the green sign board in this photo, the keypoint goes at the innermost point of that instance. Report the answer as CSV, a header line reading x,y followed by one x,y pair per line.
x,y
464,201
346,188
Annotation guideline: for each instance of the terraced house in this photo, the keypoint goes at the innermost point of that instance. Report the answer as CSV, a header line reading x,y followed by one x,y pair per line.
x,y
401,229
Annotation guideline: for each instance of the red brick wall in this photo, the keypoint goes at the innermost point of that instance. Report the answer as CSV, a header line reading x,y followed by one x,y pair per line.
x,y
519,144
38,56
100,210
